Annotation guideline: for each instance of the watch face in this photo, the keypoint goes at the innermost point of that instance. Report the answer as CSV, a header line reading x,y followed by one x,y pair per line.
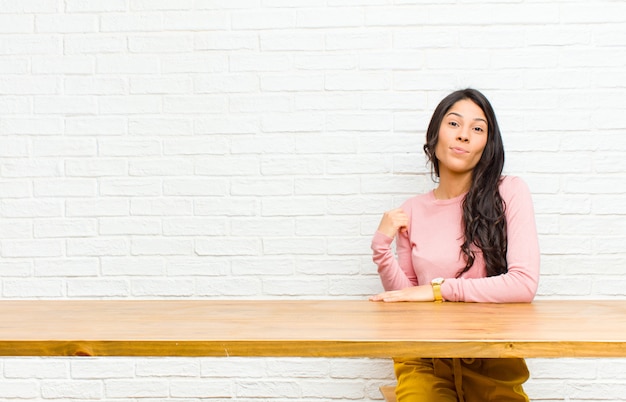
x,y
437,281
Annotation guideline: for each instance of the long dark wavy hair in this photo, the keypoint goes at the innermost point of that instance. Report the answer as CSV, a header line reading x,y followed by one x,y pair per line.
x,y
484,222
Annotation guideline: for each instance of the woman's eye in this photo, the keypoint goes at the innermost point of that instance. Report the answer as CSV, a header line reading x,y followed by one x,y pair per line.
x,y
479,129
453,124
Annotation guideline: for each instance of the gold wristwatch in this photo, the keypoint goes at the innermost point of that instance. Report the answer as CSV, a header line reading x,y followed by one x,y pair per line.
x,y
436,284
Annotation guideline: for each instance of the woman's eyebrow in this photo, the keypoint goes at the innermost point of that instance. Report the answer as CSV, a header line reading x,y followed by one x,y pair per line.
x,y
461,116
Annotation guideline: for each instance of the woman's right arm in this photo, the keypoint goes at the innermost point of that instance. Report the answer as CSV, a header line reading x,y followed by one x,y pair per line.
x,y
394,273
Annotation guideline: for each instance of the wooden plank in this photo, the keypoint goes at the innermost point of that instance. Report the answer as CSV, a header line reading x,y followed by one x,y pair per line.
x,y
312,328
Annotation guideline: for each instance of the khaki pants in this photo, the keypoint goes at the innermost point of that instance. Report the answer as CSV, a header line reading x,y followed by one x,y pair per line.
x,y
460,380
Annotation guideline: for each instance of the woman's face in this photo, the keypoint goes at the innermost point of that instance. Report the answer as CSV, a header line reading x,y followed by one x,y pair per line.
x,y
462,138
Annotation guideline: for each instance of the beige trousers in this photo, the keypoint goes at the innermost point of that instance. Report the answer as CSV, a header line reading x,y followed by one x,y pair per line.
x,y
460,380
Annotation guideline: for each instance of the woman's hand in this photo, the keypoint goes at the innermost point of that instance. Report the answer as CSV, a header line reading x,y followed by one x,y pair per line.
x,y
411,294
394,221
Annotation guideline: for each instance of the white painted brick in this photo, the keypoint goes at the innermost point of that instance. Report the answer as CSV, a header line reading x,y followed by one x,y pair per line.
x,y
201,389
267,102
292,41
195,187
260,62
337,185
98,368
219,206
44,147
15,104
268,389
196,63
293,206
28,288
230,287
195,146
325,61
295,287
100,126
67,267
344,389
266,19
132,22
331,226
33,85
95,167
15,188
292,122
132,266
126,64
229,83
226,125
197,266
63,65
16,24
66,23
31,208
32,248
40,369
94,43
358,81
160,43
194,226
290,165
284,144
330,17
263,266
294,245
97,207
16,269
160,206
51,228
292,82
128,147
133,104
78,6
136,389
234,367
31,45
159,5
170,367
92,288
129,226
161,167
94,247
162,287
195,20
226,41
64,188
30,6
171,84
160,246
261,187
198,104
322,144
20,389
359,368
224,246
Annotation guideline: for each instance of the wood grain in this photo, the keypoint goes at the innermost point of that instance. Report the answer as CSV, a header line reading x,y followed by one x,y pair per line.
x,y
318,328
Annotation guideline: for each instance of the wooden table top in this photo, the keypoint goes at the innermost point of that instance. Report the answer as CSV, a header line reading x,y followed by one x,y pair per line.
x,y
338,328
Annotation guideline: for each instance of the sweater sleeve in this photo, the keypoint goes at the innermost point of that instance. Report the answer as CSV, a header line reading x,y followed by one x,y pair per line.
x,y
520,283
394,273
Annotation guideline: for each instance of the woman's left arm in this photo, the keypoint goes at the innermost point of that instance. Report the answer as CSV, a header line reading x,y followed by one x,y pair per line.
x,y
520,283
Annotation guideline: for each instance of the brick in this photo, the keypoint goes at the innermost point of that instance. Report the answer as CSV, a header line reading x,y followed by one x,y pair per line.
x,y
178,43
67,267
94,247
135,389
160,167
132,266
67,23
129,226
93,43
160,246
29,288
52,228
98,369
90,288
201,388
162,287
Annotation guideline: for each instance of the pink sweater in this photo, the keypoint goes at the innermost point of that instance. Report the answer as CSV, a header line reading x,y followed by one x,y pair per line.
x,y
431,249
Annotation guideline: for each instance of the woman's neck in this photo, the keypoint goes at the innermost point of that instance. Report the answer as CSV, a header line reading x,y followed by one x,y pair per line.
x,y
452,186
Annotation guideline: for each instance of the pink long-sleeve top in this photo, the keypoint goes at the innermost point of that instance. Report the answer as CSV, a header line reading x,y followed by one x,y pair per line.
x,y
431,248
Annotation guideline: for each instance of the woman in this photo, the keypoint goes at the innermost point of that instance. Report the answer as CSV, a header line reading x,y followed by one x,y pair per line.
x,y
472,239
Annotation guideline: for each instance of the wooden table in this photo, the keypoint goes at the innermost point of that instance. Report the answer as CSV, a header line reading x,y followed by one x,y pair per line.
x,y
312,328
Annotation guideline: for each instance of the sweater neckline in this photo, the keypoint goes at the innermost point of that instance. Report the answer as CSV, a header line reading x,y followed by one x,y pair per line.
x,y
456,200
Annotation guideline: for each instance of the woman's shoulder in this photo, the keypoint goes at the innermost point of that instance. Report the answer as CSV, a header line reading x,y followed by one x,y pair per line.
x,y
511,186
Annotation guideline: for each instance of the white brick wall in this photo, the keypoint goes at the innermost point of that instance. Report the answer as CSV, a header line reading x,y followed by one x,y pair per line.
x,y
246,149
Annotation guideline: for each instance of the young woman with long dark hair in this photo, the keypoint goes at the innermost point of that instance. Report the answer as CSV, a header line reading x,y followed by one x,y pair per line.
x,y
471,239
